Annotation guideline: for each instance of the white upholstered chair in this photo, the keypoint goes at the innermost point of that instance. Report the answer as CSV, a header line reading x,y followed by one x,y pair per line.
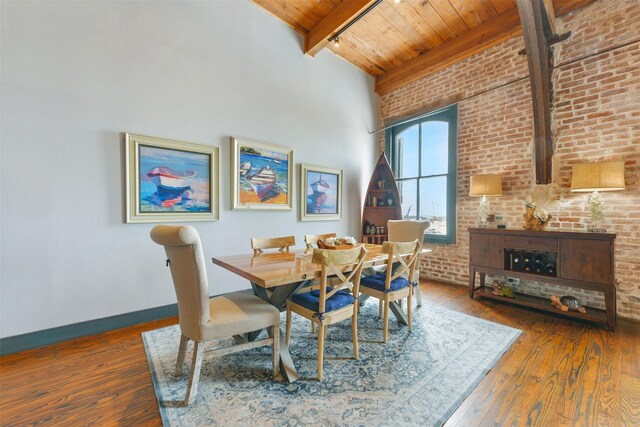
x,y
408,231
394,285
206,319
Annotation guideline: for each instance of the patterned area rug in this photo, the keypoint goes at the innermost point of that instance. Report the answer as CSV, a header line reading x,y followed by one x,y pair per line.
x,y
417,378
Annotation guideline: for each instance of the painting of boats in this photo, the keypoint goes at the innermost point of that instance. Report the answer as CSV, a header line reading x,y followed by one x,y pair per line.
x,y
261,175
321,194
173,180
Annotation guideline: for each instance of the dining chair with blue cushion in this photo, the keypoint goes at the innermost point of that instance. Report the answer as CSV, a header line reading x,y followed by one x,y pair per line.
x,y
203,319
325,305
404,230
394,285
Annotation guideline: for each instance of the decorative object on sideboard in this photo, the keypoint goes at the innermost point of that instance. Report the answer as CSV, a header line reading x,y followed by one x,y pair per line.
x,y
485,185
594,177
567,303
534,218
502,289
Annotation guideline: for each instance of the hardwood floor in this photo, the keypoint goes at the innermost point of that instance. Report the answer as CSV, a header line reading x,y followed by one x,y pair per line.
x,y
559,372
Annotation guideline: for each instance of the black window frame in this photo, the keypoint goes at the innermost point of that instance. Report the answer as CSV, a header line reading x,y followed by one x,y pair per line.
x,y
449,115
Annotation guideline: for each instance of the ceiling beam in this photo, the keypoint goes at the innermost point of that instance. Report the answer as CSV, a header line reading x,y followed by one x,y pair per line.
x,y
536,30
318,36
492,32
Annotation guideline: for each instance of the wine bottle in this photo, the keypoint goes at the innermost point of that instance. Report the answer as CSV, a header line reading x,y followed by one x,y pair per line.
x,y
517,261
528,262
550,268
539,263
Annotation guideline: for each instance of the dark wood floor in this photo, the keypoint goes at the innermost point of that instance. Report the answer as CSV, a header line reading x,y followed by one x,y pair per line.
x,y
559,372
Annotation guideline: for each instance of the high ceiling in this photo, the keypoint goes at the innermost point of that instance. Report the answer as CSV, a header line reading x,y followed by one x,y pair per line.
x,y
401,42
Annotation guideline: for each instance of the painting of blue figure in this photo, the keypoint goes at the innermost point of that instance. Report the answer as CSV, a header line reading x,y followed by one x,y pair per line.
x,y
322,193
174,180
264,176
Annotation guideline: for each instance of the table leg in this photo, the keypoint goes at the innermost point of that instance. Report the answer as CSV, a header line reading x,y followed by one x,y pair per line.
x,y
397,311
278,299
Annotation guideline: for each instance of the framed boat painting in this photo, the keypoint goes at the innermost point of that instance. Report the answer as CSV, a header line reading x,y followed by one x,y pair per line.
x,y
170,181
320,193
261,175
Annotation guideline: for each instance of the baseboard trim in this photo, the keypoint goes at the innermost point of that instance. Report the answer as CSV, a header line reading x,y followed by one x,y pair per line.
x,y
36,339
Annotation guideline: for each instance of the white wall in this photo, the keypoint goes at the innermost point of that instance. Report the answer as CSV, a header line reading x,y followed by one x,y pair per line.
x,y
76,75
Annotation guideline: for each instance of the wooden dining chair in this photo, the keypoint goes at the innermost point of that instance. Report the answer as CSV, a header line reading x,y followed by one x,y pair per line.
x,y
311,240
325,305
408,231
394,285
205,319
281,243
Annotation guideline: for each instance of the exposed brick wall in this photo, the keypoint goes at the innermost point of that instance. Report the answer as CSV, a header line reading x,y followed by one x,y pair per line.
x,y
596,117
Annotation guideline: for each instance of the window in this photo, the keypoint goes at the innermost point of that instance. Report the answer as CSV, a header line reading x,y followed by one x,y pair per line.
x,y
422,153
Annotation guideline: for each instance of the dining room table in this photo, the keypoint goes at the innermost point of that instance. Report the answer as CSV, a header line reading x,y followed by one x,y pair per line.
x,y
275,276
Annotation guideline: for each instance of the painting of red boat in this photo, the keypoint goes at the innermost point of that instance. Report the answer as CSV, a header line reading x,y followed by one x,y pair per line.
x,y
173,181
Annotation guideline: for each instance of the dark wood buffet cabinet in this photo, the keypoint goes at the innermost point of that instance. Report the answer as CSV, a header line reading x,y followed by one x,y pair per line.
x,y
574,259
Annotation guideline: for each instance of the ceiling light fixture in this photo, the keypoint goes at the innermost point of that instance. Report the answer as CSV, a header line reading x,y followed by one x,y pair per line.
x,y
335,38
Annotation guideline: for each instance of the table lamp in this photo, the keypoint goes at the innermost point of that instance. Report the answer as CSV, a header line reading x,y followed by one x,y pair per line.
x,y
485,185
594,177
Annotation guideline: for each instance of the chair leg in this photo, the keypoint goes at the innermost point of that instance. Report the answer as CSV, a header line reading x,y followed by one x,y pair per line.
x,y
287,336
321,332
275,349
418,296
380,304
385,326
194,375
313,327
182,350
354,331
409,310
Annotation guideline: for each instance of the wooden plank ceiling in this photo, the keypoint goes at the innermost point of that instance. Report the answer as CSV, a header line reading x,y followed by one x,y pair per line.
x,y
402,42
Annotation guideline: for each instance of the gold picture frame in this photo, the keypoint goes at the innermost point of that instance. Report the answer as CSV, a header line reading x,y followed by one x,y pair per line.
x,y
320,193
261,175
170,181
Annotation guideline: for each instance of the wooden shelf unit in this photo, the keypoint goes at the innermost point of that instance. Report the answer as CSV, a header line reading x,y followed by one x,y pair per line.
x,y
583,260
379,215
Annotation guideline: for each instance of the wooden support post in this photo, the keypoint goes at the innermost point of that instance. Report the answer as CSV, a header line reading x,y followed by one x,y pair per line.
x,y
538,25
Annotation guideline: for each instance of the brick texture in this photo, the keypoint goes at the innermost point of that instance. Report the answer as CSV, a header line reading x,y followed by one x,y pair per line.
x,y
596,116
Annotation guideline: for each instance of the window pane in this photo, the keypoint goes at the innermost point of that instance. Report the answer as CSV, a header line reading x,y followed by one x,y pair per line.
x,y
433,203
409,193
407,143
435,148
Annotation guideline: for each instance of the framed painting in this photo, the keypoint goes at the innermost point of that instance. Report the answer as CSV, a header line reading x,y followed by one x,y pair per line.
x,y
261,175
170,181
320,193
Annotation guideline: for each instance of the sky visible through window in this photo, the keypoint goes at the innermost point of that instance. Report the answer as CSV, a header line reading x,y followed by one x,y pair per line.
x,y
422,172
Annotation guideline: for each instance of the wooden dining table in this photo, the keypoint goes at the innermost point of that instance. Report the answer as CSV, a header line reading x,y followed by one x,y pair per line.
x,y
275,276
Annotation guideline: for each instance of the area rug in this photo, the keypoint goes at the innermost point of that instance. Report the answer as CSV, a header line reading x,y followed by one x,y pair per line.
x,y
416,378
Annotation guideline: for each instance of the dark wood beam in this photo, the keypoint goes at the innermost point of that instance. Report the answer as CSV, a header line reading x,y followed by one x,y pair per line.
x,y
536,27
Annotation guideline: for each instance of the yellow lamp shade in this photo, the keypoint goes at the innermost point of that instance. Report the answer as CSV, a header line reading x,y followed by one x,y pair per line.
x,y
598,176
486,185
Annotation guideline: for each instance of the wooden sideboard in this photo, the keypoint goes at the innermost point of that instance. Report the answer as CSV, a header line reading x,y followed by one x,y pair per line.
x,y
574,259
